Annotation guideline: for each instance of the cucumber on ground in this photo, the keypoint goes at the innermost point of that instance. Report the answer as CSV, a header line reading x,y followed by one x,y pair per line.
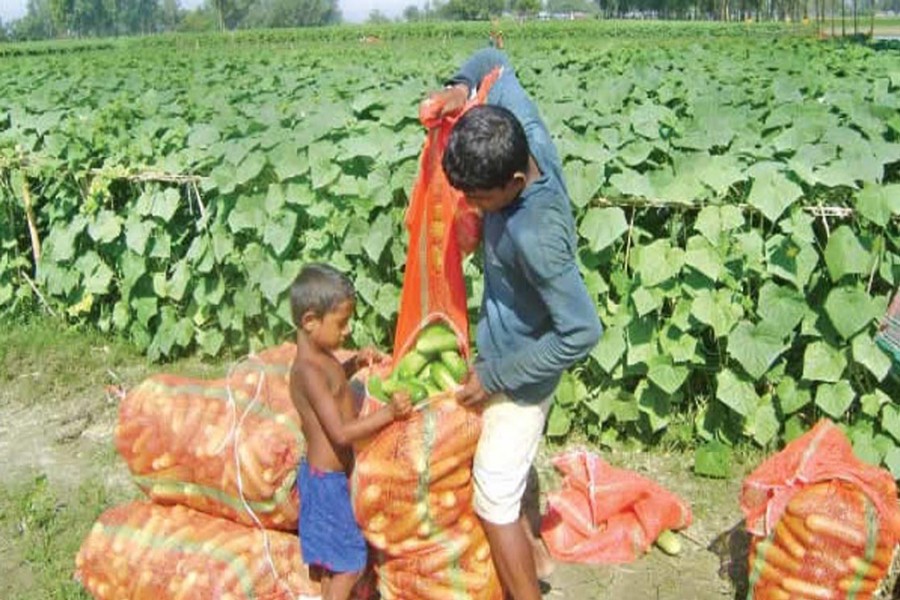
x,y
668,542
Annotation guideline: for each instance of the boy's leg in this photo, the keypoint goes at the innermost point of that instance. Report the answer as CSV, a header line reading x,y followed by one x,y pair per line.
x,y
341,585
509,441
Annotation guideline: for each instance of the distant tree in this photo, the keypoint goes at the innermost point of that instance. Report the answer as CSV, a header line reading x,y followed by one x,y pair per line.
x,y
198,20
170,14
412,13
37,24
376,17
292,13
525,7
569,6
471,10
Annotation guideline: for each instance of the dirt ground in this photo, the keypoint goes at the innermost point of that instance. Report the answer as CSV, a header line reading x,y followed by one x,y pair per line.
x,y
57,420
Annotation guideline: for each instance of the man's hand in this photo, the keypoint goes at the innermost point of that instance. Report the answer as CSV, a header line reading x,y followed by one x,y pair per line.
x,y
400,406
442,103
472,392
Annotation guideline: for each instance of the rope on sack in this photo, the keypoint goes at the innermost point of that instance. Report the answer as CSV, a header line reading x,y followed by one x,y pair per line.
x,y
235,435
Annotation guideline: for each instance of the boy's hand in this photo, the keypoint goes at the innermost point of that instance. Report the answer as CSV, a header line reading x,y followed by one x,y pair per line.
x,y
401,405
370,356
472,391
445,102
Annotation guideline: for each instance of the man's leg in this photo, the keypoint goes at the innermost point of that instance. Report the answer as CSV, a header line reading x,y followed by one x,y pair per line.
x,y
509,441
341,585
513,557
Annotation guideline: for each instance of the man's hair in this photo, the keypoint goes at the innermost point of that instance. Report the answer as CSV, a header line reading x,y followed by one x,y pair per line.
x,y
487,147
319,288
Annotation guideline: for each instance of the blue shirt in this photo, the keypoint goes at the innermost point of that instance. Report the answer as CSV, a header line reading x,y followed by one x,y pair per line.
x,y
537,318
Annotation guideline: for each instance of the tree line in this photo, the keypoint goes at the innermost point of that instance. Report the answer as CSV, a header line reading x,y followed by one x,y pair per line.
x,y
50,19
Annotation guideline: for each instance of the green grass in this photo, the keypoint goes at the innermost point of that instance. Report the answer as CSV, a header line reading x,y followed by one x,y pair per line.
x,y
44,528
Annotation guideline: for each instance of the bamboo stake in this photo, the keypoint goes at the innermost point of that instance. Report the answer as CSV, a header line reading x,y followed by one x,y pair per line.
x,y
32,224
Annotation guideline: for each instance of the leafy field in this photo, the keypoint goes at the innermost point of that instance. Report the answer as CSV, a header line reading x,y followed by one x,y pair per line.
x,y
736,189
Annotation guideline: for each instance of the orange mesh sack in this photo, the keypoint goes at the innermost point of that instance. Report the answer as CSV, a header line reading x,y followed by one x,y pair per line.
x,y
438,219
824,523
412,496
225,447
606,515
147,551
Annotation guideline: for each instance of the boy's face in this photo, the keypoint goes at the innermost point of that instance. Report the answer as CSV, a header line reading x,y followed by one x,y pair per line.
x,y
330,330
496,199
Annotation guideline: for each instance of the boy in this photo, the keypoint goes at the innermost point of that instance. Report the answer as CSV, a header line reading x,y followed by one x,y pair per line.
x,y
537,317
322,304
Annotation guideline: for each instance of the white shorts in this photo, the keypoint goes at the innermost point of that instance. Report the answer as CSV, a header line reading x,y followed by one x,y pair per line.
x,y
510,434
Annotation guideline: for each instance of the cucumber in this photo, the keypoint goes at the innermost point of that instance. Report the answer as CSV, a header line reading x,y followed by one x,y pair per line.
x,y
376,389
417,391
391,386
410,365
442,376
668,542
455,363
435,339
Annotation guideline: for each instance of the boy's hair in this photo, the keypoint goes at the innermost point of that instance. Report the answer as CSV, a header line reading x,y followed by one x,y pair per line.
x,y
319,288
487,147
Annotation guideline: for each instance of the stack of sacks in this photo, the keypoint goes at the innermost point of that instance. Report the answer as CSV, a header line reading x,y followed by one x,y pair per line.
x,y
218,461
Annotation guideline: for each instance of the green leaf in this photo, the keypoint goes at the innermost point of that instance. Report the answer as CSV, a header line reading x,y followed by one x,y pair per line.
x,y
380,233
177,284
871,403
211,341
632,183
279,231
878,202
645,301
657,262
834,398
641,336
250,168
105,227
704,257
656,404
248,213
610,348
772,192
892,461
570,390
844,255
165,204
716,309
602,226
736,392
823,362
714,221
780,307
850,309
755,347
682,347
792,259
323,169
867,353
559,422
144,309
890,420
791,397
665,375
764,425
584,180
136,235
288,161
713,459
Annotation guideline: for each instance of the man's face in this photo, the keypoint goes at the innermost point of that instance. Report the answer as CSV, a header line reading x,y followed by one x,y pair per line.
x,y
496,199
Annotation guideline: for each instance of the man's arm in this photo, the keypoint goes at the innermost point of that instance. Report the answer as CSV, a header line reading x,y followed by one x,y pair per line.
x,y
575,329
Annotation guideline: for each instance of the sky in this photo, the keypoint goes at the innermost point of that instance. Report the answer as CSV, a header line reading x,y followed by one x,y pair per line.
x,y
354,11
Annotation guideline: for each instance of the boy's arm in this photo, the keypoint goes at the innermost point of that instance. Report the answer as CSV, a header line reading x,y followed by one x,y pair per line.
x,y
576,328
340,432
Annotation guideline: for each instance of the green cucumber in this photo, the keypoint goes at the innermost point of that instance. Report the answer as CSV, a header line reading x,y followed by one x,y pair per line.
x,y
411,364
376,389
417,391
391,386
435,339
668,542
442,376
455,363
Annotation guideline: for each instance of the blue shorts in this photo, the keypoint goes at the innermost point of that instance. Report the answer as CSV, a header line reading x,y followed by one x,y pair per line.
x,y
329,535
